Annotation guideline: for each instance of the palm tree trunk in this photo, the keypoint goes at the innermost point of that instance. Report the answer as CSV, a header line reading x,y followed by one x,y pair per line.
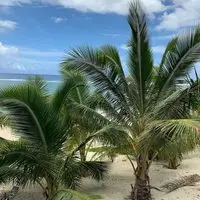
x,y
173,163
50,189
141,189
83,153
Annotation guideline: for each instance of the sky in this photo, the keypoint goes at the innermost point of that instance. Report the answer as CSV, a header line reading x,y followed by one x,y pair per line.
x,y
35,35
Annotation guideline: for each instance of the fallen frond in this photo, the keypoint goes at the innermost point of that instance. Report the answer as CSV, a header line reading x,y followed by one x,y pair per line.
x,y
182,182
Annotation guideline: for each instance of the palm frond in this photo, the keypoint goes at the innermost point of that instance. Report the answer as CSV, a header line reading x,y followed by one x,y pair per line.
x,y
109,151
87,116
169,48
73,81
95,169
70,173
97,101
178,103
141,67
31,117
39,82
96,66
182,182
177,61
114,63
163,131
21,162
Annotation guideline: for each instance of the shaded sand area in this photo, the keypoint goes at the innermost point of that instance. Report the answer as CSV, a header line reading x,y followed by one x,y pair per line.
x,y
116,185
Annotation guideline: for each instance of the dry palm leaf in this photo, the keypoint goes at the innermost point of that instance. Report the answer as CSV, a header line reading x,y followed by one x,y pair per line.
x,y
182,182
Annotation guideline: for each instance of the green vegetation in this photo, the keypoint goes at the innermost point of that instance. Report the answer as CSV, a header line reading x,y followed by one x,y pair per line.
x,y
150,108
143,115
43,125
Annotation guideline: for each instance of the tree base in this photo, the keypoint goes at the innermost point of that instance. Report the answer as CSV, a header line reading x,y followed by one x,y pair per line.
x,y
141,192
173,164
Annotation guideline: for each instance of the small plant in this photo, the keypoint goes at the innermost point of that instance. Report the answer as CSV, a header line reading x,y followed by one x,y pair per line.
x,y
44,125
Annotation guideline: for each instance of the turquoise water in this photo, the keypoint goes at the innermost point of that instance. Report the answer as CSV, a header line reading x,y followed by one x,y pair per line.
x,y
7,80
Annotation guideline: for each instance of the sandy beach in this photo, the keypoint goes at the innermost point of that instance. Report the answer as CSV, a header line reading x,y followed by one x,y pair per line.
x,y
116,185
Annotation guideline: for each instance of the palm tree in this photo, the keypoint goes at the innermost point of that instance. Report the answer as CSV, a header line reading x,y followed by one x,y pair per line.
x,y
147,106
81,96
44,125
78,95
175,150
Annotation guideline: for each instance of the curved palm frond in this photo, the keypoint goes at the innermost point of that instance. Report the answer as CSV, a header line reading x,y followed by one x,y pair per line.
x,y
96,66
73,86
23,163
180,57
141,68
162,132
32,117
38,82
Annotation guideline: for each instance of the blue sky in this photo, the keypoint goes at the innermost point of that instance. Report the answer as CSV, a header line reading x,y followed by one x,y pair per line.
x,y
36,34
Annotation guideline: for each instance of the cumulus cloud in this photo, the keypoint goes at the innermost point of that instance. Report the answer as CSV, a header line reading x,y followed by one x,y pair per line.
x,y
58,19
185,13
8,50
27,60
8,55
107,6
98,6
14,2
6,25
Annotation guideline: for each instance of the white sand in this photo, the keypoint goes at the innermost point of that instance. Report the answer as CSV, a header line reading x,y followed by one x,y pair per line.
x,y
6,133
116,186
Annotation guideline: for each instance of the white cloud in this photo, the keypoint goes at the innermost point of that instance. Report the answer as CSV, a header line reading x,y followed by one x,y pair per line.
x,y
8,54
107,6
28,60
158,49
14,2
6,25
186,13
8,50
98,6
58,19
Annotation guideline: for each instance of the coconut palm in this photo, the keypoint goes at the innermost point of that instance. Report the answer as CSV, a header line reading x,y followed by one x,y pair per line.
x,y
175,150
81,96
78,95
147,105
44,125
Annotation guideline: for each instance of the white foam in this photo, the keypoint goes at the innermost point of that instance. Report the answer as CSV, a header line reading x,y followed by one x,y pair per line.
x,y
21,80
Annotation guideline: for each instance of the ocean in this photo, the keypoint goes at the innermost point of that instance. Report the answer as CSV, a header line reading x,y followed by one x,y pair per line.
x,y
11,79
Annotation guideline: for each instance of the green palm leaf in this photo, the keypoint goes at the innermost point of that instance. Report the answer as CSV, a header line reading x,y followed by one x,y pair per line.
x,y
23,105
181,54
140,68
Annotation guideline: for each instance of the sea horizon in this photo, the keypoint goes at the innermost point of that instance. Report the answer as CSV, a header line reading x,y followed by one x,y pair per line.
x,y
11,79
